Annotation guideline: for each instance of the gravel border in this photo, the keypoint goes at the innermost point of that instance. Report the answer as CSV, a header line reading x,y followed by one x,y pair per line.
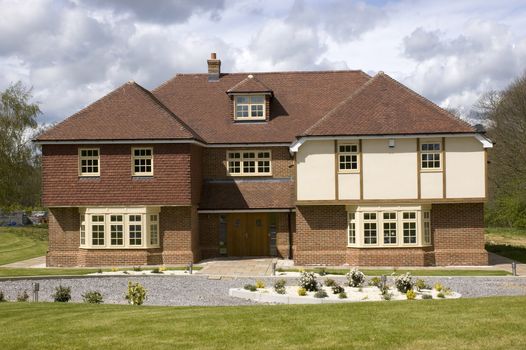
x,y
202,291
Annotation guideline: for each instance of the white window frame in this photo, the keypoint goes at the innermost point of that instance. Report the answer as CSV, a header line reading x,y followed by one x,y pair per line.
x,y
390,222
87,159
121,223
426,227
370,221
435,153
249,105
409,221
351,228
145,213
141,157
343,154
356,214
242,159
154,233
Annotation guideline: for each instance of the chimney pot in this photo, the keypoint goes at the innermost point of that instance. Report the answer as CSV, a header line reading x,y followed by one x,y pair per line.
x,y
214,67
213,56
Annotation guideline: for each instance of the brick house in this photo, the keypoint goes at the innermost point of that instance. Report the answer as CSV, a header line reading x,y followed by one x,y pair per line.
x,y
330,167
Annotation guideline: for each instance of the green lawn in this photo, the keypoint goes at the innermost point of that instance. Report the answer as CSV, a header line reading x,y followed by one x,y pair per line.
x,y
508,242
416,272
21,243
485,323
18,272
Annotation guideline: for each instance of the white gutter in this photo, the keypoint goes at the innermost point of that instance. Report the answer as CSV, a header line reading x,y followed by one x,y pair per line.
x,y
218,211
297,144
115,142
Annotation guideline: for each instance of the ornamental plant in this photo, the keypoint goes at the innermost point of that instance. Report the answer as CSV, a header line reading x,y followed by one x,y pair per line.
x,y
329,282
22,296
62,294
302,292
410,294
355,277
2,297
342,295
375,282
136,294
279,286
404,282
321,294
260,284
92,297
250,287
420,284
337,289
438,287
308,281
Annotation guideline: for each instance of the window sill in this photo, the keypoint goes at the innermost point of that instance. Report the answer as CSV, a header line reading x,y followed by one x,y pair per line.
x,y
439,170
118,247
348,171
249,175
392,246
89,176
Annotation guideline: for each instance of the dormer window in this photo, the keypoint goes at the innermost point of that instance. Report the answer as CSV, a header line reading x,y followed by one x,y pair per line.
x,y
250,107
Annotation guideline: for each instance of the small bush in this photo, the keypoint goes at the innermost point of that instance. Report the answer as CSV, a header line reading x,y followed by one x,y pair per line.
x,y
162,268
157,270
410,294
329,282
427,296
355,277
92,297
279,286
137,268
336,289
384,290
438,287
114,269
99,271
420,284
2,297
321,271
321,294
136,294
126,273
440,295
342,295
302,292
447,291
375,282
308,281
250,287
387,296
404,282
260,284
62,294
22,296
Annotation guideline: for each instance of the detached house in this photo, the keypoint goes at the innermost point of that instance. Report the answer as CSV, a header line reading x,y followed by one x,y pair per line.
x,y
331,167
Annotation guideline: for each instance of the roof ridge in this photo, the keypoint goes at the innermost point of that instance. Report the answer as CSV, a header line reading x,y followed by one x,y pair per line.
x,y
172,114
347,99
429,102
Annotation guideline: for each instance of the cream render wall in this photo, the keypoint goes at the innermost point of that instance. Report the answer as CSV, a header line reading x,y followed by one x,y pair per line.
x,y
465,168
431,184
389,173
316,171
348,186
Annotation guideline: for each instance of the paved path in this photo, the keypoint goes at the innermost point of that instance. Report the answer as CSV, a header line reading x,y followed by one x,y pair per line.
x,y
30,263
238,267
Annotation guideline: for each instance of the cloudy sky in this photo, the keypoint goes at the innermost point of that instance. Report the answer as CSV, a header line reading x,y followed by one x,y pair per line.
x,y
74,51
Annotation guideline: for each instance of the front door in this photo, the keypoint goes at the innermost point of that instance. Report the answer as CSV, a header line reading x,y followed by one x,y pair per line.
x,y
248,234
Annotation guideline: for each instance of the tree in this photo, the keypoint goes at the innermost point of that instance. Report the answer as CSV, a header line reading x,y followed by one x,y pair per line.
x,y
504,114
19,163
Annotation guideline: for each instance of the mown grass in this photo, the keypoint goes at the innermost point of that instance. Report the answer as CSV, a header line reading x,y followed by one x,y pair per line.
x,y
27,272
485,323
416,272
21,243
508,242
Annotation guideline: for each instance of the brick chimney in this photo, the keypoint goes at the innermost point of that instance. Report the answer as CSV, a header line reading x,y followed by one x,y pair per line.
x,y
214,67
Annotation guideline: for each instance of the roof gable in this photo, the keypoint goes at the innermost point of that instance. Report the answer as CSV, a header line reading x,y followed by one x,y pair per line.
x,y
249,85
383,106
128,113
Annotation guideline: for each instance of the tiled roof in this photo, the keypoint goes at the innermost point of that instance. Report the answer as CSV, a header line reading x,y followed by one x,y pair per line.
x,y
300,99
128,113
247,194
249,84
383,106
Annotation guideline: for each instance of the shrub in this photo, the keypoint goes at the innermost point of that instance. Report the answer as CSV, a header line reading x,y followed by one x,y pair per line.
x,y
427,296
279,286
99,271
92,297
308,281
342,295
162,268
376,282
384,289
410,294
114,269
62,294
22,296
336,289
355,278
157,270
250,287
404,282
260,284
440,295
447,291
387,296
137,268
321,294
136,293
329,282
420,284
2,297
322,271
302,292
439,287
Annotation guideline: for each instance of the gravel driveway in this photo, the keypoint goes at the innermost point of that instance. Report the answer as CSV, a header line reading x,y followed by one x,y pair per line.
x,y
199,290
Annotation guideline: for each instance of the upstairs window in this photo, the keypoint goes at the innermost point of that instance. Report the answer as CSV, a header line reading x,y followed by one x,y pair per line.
x,y
142,161
251,163
250,107
89,162
430,156
348,158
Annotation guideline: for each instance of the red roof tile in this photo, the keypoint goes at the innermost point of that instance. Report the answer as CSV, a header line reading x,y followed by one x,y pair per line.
x,y
128,113
383,106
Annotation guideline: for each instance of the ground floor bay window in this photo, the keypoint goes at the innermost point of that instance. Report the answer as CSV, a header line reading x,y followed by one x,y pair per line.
x,y
119,228
396,226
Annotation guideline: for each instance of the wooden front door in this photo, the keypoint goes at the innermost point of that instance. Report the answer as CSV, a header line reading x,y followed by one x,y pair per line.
x,y
248,234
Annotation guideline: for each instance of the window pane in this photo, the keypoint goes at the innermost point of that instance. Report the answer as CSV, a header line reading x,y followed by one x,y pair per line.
x,y
241,99
135,234
257,99
117,234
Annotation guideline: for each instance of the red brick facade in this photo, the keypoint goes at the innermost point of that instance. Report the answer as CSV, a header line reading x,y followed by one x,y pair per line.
x,y
457,231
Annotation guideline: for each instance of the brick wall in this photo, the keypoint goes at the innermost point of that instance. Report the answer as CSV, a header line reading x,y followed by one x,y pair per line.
x,y
178,237
170,185
215,165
